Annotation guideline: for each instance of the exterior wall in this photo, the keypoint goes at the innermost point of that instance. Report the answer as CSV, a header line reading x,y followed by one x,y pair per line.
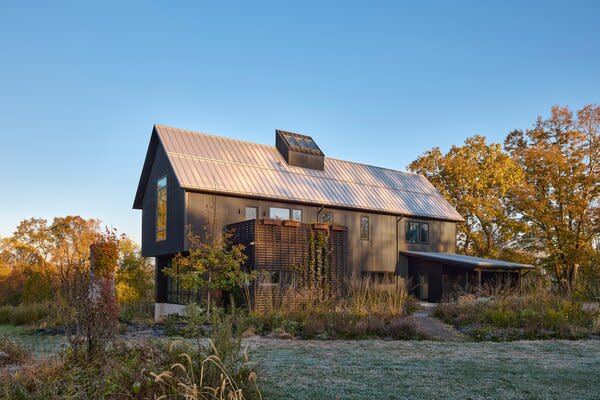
x,y
442,238
378,254
175,210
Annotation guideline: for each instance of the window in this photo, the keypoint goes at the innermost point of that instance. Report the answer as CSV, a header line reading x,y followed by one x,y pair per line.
x,y
326,217
297,215
161,209
364,227
424,233
282,279
251,213
279,213
417,232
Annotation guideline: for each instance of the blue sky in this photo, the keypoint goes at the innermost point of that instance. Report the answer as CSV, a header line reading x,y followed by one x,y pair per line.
x,y
377,82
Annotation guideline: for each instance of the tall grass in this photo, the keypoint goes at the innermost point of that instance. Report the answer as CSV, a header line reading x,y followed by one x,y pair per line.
x,y
209,378
25,314
367,297
533,312
367,308
142,370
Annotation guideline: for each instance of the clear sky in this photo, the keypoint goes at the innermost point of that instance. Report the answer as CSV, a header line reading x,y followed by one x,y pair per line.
x,y
377,82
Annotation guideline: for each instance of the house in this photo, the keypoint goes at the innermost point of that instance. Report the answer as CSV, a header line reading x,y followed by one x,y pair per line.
x,y
383,223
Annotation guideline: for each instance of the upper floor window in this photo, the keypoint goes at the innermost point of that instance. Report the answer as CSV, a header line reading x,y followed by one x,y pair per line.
x,y
326,217
251,213
364,227
297,215
417,232
161,209
279,213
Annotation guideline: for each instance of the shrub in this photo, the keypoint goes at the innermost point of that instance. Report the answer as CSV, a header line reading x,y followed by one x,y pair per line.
x,y
143,370
11,353
535,313
137,311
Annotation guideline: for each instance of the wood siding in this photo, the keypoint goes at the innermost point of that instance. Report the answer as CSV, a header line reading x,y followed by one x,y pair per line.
x,y
378,254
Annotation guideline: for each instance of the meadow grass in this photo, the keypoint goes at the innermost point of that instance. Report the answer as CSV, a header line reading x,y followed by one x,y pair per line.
x,y
377,369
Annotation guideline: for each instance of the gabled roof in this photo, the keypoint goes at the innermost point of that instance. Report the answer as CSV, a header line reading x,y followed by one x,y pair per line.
x,y
210,163
467,261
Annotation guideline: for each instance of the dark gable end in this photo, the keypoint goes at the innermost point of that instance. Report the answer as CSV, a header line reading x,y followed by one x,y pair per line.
x,y
157,166
138,202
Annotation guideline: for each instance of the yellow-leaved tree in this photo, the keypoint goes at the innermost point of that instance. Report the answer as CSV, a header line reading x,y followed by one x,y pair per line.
x,y
559,199
476,178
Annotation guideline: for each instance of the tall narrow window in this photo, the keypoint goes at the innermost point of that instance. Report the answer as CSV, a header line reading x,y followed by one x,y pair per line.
x,y
297,215
364,228
412,232
161,209
424,233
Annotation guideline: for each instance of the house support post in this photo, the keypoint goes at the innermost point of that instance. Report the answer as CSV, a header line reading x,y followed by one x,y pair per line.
x,y
479,279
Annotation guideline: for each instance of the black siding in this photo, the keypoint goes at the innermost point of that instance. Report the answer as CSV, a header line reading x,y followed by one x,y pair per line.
x,y
175,210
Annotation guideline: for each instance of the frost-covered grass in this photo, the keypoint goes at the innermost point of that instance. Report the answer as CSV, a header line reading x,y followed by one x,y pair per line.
x,y
377,369
40,345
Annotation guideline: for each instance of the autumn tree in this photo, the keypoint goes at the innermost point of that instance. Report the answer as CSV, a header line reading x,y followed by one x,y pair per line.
x,y
135,274
475,178
93,309
72,237
28,253
559,198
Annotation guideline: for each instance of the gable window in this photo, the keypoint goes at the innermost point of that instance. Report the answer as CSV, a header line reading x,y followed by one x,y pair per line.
x,y
326,217
364,227
251,213
161,209
417,232
279,213
297,215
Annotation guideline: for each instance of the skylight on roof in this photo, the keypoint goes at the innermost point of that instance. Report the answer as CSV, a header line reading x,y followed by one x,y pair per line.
x,y
301,143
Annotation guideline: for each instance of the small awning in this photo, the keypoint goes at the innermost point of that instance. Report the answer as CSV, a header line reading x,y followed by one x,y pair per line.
x,y
476,263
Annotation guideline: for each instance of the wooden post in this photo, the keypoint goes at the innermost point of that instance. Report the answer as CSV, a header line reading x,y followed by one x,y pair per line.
x,y
479,279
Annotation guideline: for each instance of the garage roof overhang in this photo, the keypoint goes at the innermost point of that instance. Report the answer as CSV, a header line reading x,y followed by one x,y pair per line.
x,y
468,262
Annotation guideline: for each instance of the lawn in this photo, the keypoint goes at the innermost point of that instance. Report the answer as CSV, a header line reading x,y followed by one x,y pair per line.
x,y
378,369
428,370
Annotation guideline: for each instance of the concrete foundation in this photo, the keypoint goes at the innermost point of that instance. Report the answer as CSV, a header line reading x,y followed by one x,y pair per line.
x,y
161,310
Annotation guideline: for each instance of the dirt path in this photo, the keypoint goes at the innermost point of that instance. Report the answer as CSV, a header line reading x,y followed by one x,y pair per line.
x,y
432,327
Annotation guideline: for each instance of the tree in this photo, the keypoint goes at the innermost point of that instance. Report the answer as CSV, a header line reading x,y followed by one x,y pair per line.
x,y
213,263
72,237
93,308
559,198
27,252
475,178
135,275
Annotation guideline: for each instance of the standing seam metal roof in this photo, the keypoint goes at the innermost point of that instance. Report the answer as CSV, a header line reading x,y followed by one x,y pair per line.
x,y
217,164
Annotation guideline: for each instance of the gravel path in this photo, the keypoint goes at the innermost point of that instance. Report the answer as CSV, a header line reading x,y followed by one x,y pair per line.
x,y
433,328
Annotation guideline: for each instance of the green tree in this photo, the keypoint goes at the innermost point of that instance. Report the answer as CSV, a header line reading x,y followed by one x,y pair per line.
x,y
212,263
475,178
559,199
